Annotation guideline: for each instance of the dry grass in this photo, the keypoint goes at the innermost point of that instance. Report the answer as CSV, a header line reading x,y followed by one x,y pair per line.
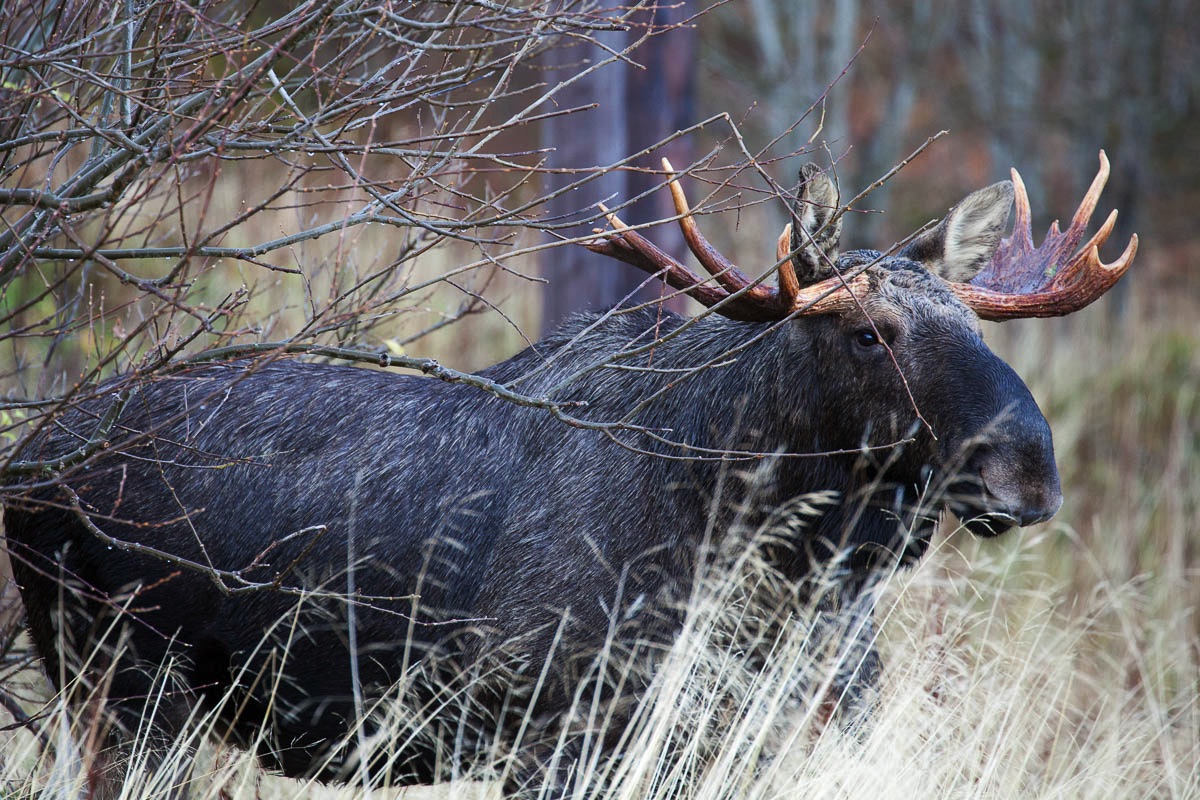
x,y
991,691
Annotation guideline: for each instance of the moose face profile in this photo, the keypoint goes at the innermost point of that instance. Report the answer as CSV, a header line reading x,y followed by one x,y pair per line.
x,y
465,545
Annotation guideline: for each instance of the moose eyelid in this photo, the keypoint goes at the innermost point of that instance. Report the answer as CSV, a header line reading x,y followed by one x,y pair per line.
x,y
867,337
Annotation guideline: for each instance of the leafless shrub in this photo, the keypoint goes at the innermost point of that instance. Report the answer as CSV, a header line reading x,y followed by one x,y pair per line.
x,y
183,182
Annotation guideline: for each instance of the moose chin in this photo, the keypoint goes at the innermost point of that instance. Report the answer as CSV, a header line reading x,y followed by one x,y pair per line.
x,y
430,526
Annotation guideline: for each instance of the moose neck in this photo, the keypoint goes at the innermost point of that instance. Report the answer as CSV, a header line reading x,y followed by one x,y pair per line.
x,y
710,395
697,385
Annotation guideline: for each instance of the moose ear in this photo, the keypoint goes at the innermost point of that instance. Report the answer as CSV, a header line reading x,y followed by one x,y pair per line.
x,y
814,238
962,243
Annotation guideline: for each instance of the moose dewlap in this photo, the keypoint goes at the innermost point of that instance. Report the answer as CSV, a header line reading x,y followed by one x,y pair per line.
x,y
462,545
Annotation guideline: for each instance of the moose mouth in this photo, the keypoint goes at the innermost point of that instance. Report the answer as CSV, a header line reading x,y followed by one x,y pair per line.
x,y
919,512
970,502
978,511
984,524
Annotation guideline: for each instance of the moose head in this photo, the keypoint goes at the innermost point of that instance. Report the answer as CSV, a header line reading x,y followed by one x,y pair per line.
x,y
895,340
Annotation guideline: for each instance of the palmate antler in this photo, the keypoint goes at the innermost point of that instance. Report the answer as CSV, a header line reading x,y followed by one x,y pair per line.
x,y
1052,280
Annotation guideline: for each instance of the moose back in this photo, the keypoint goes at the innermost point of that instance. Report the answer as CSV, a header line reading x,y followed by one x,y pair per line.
x,y
434,528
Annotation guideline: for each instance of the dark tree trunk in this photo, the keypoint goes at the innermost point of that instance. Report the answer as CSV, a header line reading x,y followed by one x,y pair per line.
x,y
636,108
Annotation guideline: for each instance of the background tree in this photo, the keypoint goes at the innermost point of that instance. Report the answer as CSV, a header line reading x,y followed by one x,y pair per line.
x,y
639,101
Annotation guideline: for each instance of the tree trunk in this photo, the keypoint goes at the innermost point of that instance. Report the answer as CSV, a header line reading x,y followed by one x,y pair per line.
x,y
636,108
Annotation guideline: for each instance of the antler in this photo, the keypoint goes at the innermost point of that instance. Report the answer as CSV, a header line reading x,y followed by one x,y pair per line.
x,y
735,295
1052,280
1055,279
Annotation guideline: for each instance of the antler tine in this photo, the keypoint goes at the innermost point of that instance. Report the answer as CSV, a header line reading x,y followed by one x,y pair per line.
x,y
1023,216
789,284
1055,279
728,276
1088,205
631,247
1067,275
783,245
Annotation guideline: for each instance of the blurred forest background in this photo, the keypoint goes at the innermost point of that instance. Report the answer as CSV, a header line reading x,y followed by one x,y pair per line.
x,y
1040,86
409,179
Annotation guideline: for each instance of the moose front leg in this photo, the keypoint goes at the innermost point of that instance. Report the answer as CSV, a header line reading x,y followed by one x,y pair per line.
x,y
843,642
568,753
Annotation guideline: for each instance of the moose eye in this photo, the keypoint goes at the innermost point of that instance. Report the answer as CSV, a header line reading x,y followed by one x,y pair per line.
x,y
867,338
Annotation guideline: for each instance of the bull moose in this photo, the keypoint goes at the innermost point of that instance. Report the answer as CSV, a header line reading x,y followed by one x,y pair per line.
x,y
408,530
